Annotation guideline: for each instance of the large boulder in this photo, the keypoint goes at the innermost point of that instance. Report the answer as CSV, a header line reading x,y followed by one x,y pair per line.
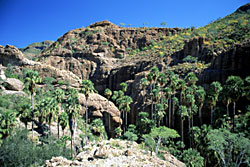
x,y
14,84
99,107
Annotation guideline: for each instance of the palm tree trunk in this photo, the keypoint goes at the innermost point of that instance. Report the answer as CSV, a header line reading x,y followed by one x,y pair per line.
x,y
169,113
173,117
228,109
86,123
126,121
211,112
182,135
189,124
123,118
71,144
234,115
58,128
32,123
200,115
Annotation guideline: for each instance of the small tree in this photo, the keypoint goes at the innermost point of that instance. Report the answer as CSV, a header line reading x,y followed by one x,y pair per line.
x,y
226,144
192,158
158,135
163,24
235,87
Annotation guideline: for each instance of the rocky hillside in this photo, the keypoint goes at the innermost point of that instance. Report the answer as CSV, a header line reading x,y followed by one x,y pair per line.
x,y
116,153
35,48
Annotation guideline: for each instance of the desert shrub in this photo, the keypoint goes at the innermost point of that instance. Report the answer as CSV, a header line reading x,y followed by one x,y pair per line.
x,y
19,150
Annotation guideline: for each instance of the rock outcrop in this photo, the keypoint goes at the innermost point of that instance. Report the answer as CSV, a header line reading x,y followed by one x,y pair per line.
x,y
93,52
10,55
116,153
234,61
100,107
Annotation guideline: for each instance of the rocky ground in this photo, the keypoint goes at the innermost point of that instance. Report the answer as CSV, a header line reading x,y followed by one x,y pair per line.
x,y
115,153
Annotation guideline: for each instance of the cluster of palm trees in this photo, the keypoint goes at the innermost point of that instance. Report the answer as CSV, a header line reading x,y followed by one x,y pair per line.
x,y
170,94
122,101
47,106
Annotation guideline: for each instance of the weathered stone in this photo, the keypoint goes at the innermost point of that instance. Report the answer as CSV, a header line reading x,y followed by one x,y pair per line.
x,y
14,84
99,107
115,153
12,92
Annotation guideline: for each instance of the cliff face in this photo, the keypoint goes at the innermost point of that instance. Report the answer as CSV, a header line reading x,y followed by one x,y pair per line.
x,y
97,52
234,61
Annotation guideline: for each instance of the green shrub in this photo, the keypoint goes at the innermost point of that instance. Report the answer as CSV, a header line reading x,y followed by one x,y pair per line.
x,y
19,150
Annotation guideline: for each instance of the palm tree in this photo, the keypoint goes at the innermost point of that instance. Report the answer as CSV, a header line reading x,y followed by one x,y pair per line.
x,y
167,93
189,101
124,86
156,96
31,79
108,94
63,120
25,113
175,103
191,79
159,113
87,87
162,79
183,113
235,87
213,94
200,94
226,99
52,112
72,107
123,103
8,120
144,84
59,95
247,87
182,88
152,78
173,83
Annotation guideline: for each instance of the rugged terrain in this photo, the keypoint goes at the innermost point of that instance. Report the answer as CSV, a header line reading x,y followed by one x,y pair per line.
x,y
108,55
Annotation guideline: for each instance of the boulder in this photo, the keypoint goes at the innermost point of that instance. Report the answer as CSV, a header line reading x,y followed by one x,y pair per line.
x,y
99,107
14,84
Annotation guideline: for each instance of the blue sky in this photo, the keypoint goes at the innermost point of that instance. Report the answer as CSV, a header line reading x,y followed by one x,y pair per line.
x,y
23,22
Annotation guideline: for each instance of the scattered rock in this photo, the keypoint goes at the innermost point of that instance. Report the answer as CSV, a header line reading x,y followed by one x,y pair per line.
x,y
114,153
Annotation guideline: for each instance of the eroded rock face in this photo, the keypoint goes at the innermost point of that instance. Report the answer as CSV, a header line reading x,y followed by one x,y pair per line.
x,y
99,107
10,55
115,153
235,61
93,52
